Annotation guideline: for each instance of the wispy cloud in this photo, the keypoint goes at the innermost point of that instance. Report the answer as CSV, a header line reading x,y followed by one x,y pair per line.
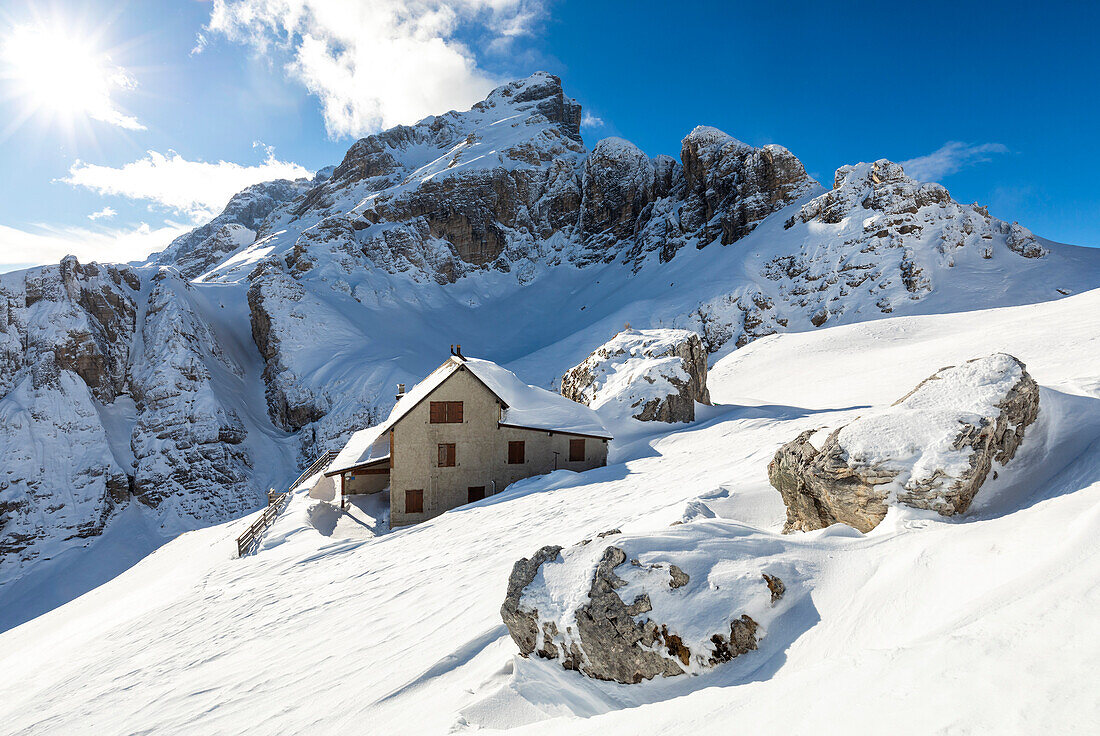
x,y
949,158
197,189
590,121
104,214
49,244
375,64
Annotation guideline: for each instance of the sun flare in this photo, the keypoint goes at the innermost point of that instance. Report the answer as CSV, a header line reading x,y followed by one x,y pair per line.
x,y
51,69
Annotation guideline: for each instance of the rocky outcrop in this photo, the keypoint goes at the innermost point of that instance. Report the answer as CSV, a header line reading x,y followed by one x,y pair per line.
x,y
195,252
506,176
651,375
932,449
619,183
887,236
730,186
634,621
108,397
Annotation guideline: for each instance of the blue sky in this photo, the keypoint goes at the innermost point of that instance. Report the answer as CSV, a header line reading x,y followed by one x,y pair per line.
x,y
126,123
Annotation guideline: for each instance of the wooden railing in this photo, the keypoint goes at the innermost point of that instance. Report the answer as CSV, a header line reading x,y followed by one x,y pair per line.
x,y
316,467
250,540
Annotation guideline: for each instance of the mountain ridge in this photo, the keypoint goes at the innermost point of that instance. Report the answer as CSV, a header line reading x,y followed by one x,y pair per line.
x,y
209,372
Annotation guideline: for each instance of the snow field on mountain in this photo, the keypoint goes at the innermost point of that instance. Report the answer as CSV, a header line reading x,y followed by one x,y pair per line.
x,y
980,623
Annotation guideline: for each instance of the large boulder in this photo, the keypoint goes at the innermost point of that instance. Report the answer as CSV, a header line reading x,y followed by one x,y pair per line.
x,y
642,607
932,449
651,375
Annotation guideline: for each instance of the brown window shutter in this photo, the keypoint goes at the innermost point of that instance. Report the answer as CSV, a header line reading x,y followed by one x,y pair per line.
x,y
445,412
447,455
475,493
576,450
414,502
516,453
391,449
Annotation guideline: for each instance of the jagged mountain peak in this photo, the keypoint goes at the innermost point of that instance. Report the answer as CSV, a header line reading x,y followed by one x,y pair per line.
x,y
544,90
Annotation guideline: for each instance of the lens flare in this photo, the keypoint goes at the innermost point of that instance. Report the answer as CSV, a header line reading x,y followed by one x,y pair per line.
x,y
52,69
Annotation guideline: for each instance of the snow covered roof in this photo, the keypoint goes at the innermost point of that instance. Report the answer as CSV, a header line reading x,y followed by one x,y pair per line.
x,y
526,406
533,407
365,446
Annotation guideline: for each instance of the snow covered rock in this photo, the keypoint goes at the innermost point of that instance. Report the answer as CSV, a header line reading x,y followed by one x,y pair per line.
x,y
235,227
932,449
880,240
645,606
651,375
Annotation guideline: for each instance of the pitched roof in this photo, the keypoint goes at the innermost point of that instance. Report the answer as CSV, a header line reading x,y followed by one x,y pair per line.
x,y
525,406
533,407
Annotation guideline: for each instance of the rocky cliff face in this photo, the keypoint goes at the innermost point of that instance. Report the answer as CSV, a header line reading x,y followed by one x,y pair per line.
x,y
187,443
283,324
65,333
107,399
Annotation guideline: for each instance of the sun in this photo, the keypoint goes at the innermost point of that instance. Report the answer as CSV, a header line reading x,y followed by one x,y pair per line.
x,y
53,70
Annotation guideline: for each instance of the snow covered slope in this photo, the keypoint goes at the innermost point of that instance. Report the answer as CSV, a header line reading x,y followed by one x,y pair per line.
x,y
975,624
181,389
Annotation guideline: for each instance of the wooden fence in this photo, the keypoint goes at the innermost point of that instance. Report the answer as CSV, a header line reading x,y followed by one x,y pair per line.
x,y
250,540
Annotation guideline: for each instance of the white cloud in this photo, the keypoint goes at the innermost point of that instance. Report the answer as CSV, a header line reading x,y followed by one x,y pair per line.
x,y
949,158
376,64
49,244
197,189
590,121
104,214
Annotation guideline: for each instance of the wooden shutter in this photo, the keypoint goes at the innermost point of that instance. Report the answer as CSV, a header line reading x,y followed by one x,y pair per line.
x,y
445,412
447,455
414,502
516,453
576,450
475,493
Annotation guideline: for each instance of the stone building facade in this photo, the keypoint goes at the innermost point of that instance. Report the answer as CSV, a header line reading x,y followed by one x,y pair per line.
x,y
466,433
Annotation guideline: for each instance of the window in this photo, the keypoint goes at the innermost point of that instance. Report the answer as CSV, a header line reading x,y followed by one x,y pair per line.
x,y
576,450
414,502
445,412
475,493
447,455
516,453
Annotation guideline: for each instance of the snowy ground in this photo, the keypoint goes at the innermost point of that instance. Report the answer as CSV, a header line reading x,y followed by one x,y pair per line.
x,y
981,624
